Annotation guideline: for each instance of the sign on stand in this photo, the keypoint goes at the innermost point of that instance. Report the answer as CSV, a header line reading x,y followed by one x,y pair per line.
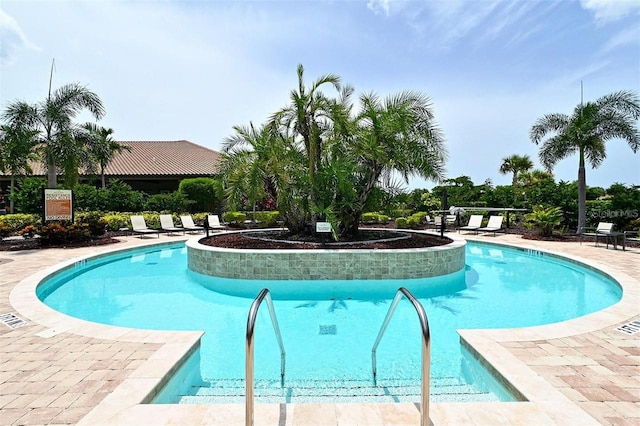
x,y
58,205
323,227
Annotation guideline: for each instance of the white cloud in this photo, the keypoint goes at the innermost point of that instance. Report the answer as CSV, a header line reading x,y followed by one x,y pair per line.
x,y
628,36
13,38
377,6
610,10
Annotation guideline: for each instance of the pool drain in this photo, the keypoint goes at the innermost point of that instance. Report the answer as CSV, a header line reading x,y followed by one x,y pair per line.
x,y
328,329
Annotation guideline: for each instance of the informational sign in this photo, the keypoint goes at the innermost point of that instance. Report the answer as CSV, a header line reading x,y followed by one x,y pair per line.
x,y
323,227
58,204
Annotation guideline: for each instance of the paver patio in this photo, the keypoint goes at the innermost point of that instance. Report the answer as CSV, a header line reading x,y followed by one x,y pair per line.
x,y
60,370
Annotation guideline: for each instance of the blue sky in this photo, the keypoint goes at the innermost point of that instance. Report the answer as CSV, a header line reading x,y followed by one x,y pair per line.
x,y
169,70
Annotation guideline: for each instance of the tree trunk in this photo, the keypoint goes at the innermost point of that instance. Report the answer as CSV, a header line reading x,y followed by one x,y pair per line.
x,y
582,194
52,175
12,187
104,181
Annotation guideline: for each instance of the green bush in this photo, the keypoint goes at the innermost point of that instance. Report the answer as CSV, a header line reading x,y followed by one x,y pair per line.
x,y
119,197
397,213
267,218
419,217
17,221
374,217
402,222
173,202
369,217
413,222
235,218
203,192
94,221
28,195
116,221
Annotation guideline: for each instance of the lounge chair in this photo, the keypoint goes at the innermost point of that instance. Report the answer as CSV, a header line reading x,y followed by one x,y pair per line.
x,y
494,225
214,222
139,226
166,223
604,229
475,222
188,225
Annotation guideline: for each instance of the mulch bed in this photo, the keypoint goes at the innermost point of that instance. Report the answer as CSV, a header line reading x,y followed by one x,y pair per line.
x,y
241,241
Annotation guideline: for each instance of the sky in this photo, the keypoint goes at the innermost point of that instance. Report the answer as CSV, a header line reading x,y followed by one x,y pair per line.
x,y
177,69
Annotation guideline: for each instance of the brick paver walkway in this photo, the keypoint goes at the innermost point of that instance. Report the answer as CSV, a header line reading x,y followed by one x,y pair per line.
x,y
49,375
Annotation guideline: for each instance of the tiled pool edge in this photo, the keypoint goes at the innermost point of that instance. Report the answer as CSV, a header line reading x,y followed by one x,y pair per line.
x,y
327,264
445,413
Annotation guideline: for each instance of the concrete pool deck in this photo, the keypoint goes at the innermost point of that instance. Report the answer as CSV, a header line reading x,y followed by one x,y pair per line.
x,y
60,370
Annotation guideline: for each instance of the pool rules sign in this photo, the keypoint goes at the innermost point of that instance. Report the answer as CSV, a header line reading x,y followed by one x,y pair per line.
x,y
58,205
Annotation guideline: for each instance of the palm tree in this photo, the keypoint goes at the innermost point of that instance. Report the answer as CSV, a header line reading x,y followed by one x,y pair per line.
x,y
262,162
586,131
395,135
102,147
53,119
533,177
16,150
516,164
308,117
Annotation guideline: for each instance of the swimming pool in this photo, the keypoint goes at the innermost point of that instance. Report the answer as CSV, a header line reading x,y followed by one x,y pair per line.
x,y
328,342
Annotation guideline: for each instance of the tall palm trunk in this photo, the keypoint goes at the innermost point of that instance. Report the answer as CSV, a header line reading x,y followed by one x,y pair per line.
x,y
11,189
52,173
582,193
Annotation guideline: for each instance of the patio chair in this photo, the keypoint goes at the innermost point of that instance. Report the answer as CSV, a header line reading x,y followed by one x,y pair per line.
x,y
494,225
214,222
139,226
475,222
633,236
604,229
188,225
166,224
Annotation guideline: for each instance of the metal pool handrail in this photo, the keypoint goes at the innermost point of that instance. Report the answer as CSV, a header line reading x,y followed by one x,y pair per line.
x,y
426,348
251,322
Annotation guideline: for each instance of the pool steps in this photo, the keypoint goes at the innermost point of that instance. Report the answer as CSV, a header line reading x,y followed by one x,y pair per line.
x,y
269,391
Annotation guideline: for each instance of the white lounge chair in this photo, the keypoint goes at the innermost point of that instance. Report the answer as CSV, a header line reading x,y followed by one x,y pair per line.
x,y
494,225
166,223
214,222
139,226
188,225
475,222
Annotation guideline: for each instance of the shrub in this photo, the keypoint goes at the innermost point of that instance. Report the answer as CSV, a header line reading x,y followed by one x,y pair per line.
x,y
402,222
413,222
267,218
174,202
235,219
116,221
203,192
28,195
57,233
543,220
94,221
28,231
17,221
5,231
119,197
400,213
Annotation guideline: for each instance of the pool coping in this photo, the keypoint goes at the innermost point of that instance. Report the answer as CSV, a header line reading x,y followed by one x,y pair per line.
x,y
126,403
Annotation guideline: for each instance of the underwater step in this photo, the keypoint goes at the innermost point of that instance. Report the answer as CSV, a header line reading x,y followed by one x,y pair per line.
x,y
233,391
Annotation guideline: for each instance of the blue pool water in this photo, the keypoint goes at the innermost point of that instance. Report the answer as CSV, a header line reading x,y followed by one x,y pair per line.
x,y
329,327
